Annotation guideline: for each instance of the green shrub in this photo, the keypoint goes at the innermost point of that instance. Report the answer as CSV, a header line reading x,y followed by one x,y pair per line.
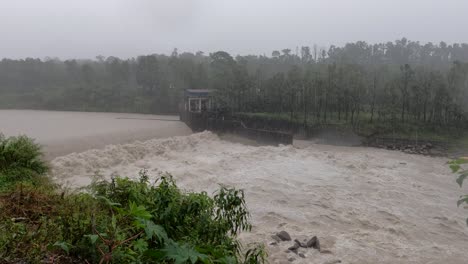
x,y
20,160
126,221
191,218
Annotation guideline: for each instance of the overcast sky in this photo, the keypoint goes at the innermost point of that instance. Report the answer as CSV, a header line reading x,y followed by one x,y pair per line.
x,y
127,28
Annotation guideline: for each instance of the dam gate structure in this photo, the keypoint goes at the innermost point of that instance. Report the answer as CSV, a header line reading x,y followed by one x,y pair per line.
x,y
199,111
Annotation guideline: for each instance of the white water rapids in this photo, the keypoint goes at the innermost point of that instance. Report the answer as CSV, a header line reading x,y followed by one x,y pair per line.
x,y
365,205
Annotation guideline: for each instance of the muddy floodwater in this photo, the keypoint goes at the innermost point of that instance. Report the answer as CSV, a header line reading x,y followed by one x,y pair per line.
x,y
65,132
365,205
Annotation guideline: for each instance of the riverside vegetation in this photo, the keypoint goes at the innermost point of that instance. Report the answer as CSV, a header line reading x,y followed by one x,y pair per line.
x,y
117,221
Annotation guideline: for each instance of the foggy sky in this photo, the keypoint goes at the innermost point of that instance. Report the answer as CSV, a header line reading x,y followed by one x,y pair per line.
x,y
127,28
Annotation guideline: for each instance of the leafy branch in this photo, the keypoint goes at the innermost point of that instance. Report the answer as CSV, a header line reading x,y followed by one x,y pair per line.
x,y
457,167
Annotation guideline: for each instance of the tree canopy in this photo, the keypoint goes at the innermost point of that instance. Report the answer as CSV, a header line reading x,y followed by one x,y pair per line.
x,y
399,81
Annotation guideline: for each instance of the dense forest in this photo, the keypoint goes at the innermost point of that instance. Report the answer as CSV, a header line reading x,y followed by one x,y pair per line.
x,y
396,82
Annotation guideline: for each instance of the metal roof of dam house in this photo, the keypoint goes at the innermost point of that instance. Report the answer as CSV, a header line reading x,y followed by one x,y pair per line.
x,y
198,92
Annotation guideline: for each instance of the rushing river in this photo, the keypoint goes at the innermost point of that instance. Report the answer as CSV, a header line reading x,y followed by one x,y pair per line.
x,y
366,205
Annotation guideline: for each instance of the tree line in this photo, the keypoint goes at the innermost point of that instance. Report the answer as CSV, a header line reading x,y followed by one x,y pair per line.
x,y
395,82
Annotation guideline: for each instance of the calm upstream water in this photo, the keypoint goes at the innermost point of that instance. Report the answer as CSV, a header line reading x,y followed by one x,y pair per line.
x,y
64,132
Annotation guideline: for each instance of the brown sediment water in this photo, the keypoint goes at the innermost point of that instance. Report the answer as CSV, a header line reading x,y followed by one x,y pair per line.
x,y
366,205
62,133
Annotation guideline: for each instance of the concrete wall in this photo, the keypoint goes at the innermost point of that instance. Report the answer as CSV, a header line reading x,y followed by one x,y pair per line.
x,y
206,121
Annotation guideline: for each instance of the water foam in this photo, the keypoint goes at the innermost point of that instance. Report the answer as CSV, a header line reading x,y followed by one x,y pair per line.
x,y
366,205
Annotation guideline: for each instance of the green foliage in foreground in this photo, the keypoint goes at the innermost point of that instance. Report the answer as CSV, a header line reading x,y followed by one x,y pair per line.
x,y
462,175
20,160
125,221
122,221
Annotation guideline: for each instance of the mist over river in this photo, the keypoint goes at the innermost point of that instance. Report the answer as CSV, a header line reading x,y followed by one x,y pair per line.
x,y
366,205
